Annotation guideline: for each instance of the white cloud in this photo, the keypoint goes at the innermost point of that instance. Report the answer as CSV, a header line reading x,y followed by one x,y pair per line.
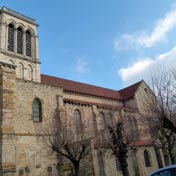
x,y
82,65
171,55
135,69
142,68
146,39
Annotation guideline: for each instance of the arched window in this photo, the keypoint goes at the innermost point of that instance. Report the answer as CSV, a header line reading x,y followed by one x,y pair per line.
x,y
101,121
19,40
21,70
77,121
110,119
28,43
37,110
30,72
158,157
131,127
147,158
11,32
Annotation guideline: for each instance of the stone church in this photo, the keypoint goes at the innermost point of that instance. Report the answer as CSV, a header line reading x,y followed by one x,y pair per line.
x,y
29,98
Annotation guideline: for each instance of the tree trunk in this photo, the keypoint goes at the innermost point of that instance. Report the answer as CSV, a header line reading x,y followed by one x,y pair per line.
x,y
76,168
124,167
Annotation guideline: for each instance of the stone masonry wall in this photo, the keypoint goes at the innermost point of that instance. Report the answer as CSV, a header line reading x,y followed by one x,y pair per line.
x,y
25,151
30,151
7,85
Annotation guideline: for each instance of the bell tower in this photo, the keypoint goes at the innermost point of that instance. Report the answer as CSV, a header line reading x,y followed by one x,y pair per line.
x,y
19,44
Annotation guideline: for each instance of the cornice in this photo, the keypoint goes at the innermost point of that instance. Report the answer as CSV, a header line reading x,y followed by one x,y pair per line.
x,y
18,15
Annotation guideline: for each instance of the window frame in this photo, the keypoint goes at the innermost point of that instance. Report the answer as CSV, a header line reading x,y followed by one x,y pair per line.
x,y
21,70
78,121
30,72
110,119
37,110
11,38
20,42
101,123
28,43
147,158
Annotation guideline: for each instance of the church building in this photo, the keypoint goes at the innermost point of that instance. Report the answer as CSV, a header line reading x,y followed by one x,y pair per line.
x,y
28,98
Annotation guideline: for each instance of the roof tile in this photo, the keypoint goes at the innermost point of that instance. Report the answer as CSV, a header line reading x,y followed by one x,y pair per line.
x,y
129,92
82,88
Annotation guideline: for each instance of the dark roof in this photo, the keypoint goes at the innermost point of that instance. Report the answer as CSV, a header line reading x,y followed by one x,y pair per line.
x,y
129,92
77,87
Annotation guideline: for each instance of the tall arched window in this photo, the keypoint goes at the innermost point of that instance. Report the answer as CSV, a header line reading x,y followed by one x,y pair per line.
x,y
101,121
28,43
19,40
11,32
131,127
77,121
110,119
37,110
147,158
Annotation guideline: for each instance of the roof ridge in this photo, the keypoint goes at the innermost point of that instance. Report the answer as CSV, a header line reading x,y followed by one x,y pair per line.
x,y
135,84
80,82
129,92
89,89
79,87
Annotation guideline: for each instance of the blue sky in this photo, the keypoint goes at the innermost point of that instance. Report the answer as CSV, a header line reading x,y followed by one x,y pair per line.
x,y
108,43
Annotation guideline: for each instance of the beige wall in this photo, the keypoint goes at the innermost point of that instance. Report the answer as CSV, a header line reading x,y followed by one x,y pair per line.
x,y
15,58
140,159
22,148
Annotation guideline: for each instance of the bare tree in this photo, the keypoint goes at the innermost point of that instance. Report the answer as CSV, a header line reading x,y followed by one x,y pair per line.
x,y
118,146
69,143
163,85
161,111
167,123
119,139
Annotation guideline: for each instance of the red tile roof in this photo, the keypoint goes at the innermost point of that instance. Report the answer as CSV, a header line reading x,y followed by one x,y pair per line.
x,y
142,143
129,92
146,142
77,87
